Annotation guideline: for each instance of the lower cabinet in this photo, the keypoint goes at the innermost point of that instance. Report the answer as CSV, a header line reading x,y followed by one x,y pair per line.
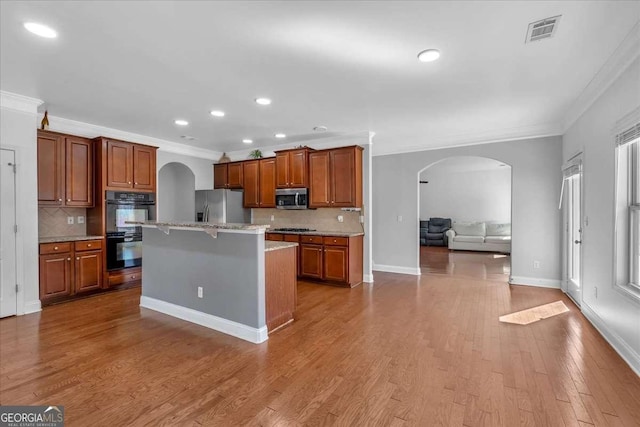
x,y
311,261
69,268
332,259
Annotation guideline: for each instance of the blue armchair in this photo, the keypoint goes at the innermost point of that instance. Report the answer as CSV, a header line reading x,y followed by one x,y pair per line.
x,y
433,232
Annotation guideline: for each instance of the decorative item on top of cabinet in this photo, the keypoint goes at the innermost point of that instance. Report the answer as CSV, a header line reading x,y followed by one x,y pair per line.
x,y
292,168
335,177
259,183
228,175
65,170
125,165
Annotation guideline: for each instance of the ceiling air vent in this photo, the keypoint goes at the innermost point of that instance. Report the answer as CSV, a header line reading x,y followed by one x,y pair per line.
x,y
542,29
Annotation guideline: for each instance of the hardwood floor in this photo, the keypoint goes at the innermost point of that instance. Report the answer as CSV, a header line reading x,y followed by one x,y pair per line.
x,y
402,351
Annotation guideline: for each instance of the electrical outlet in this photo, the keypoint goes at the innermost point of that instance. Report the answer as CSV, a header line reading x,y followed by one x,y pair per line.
x,y
595,292
536,264
273,217
80,219
399,218
200,292
70,220
340,218
361,219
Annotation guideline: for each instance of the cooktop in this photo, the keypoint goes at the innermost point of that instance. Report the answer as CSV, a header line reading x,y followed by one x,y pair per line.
x,y
299,230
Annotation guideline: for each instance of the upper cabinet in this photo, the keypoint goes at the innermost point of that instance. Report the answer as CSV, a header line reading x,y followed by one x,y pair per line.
x,y
292,168
259,183
335,177
228,175
127,166
65,170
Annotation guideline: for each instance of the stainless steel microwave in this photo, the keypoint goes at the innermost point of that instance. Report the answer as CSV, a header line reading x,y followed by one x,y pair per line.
x,y
291,198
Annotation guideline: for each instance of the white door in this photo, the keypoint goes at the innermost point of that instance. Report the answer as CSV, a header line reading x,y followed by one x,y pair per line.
x,y
8,295
573,230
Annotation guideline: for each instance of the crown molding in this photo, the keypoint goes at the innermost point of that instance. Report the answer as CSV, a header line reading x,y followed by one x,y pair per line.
x,y
618,62
476,138
356,138
13,101
88,130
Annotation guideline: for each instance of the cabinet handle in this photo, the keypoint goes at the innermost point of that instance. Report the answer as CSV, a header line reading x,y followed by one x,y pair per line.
x,y
68,200
129,182
89,244
55,248
78,258
59,200
133,277
334,240
68,259
135,183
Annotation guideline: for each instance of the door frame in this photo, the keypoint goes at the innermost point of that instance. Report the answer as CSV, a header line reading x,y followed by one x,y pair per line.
x,y
20,202
575,160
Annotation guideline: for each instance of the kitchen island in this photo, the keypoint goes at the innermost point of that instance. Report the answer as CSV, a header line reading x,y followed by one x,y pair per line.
x,y
222,276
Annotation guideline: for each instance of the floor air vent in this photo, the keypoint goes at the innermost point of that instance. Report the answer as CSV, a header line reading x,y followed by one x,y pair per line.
x,y
542,29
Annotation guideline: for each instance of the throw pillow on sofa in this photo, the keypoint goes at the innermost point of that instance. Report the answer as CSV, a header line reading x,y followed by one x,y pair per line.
x,y
470,228
498,229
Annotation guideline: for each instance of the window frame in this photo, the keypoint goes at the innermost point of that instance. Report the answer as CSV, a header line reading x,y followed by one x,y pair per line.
x,y
630,284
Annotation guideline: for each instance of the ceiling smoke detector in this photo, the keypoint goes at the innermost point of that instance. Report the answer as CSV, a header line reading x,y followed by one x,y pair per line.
x,y
543,29
320,129
188,138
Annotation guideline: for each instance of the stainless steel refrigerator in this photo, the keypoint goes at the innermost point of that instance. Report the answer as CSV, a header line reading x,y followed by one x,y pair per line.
x,y
221,206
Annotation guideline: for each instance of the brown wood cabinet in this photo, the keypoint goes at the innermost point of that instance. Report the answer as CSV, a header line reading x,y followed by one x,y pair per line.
x,y
311,260
335,177
228,175
127,166
259,183
333,259
292,168
68,269
65,170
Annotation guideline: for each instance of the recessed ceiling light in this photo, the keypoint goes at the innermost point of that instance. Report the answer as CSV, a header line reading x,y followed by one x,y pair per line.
x,y
263,101
248,141
428,55
320,129
280,135
181,122
41,30
217,113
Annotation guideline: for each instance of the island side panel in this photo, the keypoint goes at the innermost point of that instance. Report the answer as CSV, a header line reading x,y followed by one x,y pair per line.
x,y
280,286
229,268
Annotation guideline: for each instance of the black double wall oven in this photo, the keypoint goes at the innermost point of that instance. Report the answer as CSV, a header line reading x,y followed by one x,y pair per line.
x,y
124,241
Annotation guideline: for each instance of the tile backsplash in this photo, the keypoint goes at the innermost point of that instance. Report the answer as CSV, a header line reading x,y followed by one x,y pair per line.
x,y
52,222
325,219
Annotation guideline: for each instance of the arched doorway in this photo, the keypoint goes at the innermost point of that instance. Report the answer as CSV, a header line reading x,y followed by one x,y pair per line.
x,y
473,196
176,193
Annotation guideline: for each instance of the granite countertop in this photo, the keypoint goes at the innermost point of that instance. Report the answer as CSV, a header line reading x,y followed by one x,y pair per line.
x,y
201,225
274,246
57,239
322,233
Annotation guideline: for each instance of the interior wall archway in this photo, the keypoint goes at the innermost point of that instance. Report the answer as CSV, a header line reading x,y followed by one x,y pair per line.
x,y
176,193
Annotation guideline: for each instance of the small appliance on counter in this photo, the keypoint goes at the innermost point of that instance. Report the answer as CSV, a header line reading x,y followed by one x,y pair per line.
x,y
291,198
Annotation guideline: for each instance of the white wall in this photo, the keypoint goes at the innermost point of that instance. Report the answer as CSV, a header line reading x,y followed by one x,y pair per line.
x,y
536,180
202,168
480,195
616,315
176,192
18,131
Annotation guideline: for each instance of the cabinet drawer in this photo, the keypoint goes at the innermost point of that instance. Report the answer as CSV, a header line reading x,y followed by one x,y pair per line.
x,y
291,237
54,248
273,237
311,239
336,241
88,245
125,277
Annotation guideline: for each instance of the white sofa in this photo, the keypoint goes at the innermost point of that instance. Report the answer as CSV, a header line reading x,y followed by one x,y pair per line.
x,y
480,236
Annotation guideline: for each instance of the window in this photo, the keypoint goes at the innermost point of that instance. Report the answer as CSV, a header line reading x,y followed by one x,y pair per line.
x,y
627,213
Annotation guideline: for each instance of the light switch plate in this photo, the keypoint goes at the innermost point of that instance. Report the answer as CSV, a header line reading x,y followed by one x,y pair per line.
x,y
69,220
80,219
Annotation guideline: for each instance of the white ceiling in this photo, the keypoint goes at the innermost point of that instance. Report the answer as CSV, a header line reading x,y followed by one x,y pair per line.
x,y
351,66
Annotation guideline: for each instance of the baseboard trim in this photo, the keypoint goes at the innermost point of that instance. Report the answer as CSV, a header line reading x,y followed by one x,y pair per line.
x,y
368,278
532,281
225,326
397,269
32,307
627,353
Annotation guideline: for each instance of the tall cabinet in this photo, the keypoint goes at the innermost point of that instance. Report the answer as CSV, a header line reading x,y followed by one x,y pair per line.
x,y
335,178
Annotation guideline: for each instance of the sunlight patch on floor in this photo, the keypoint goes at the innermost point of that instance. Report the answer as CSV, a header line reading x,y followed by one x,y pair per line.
x,y
534,314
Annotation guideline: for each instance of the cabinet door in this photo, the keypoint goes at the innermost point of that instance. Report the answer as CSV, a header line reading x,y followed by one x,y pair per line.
x,y
276,237
282,170
79,172
235,177
343,178
88,271
50,170
319,179
336,263
311,261
220,175
119,163
55,275
268,183
298,169
144,168
251,195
